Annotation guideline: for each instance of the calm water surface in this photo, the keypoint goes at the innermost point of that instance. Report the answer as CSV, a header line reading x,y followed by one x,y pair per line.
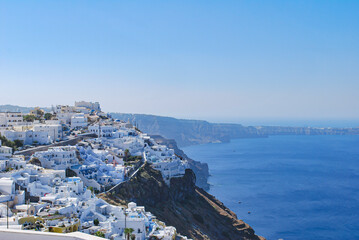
x,y
296,187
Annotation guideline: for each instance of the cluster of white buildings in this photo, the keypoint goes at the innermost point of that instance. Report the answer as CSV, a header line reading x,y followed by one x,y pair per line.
x,y
72,116
121,136
59,158
42,132
36,198
8,161
59,196
39,133
13,127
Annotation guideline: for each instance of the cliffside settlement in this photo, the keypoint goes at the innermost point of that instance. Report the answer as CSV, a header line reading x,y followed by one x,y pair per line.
x,y
56,166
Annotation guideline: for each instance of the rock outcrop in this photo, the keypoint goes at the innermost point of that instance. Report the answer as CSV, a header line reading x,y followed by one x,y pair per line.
x,y
193,212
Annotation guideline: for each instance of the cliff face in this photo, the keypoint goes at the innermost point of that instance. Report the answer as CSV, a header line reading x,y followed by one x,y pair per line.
x,y
190,209
199,168
190,132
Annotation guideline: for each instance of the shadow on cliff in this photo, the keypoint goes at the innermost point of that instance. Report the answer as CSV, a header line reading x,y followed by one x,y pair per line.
x,y
190,209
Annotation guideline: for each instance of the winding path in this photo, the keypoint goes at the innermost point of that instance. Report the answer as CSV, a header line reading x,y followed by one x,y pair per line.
x,y
71,141
132,175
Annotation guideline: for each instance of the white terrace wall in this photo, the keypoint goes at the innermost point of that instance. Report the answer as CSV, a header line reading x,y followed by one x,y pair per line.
x,y
11,234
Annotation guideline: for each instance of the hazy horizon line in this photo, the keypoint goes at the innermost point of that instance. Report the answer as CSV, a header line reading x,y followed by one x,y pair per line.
x,y
251,121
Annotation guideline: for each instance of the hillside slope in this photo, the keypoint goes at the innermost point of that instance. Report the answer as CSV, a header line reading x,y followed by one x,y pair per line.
x,y
14,108
190,209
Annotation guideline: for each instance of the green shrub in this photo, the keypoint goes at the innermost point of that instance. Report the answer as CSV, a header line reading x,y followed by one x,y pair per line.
x,y
48,116
6,142
99,234
30,118
96,222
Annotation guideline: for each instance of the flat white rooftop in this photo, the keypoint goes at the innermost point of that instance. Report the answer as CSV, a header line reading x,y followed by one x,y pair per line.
x,y
10,234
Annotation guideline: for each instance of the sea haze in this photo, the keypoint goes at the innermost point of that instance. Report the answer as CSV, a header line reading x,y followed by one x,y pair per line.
x,y
334,123
295,187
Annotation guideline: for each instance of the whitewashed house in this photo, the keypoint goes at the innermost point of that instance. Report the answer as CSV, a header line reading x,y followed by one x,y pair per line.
x,y
51,177
8,193
64,113
58,158
38,189
74,185
17,162
78,120
8,119
53,130
102,130
7,186
28,137
5,152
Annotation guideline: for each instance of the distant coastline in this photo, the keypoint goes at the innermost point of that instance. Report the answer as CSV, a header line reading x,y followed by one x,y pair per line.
x,y
192,132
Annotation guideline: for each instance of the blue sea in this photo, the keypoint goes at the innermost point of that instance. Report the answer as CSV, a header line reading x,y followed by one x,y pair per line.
x,y
295,187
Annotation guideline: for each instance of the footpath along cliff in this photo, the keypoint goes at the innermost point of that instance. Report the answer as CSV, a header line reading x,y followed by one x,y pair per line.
x,y
193,212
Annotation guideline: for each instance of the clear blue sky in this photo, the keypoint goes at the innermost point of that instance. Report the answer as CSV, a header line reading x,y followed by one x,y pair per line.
x,y
214,60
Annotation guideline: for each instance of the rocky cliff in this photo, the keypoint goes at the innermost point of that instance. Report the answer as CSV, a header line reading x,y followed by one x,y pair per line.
x,y
193,212
189,132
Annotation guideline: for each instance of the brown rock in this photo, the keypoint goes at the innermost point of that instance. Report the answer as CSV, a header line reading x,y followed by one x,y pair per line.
x,y
190,209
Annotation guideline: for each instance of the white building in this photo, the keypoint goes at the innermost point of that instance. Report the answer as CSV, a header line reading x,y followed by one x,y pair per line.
x,y
74,185
28,137
83,110
10,234
51,177
64,109
38,189
4,163
59,158
89,105
64,113
102,130
170,168
7,186
8,119
17,162
3,120
53,130
5,152
78,120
